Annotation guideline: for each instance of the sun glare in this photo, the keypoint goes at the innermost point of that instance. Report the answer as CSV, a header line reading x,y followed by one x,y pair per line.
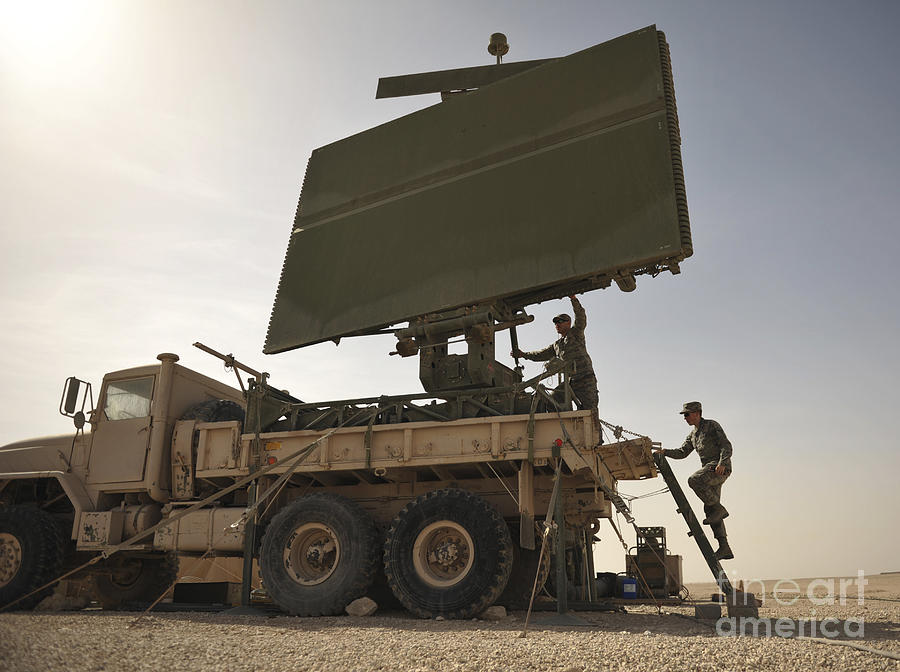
x,y
45,40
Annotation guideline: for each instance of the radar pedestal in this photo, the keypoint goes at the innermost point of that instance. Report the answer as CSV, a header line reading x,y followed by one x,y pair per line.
x,y
430,336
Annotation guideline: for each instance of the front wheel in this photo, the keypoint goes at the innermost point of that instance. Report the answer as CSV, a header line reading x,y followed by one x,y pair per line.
x,y
318,555
448,553
31,554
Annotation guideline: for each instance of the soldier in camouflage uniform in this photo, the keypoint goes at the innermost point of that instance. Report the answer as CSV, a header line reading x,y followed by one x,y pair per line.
x,y
708,438
570,348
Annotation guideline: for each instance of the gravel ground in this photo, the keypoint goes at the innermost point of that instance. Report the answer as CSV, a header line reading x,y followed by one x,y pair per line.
x,y
638,640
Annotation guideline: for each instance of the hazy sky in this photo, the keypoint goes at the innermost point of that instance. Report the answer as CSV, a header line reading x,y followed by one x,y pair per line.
x,y
151,155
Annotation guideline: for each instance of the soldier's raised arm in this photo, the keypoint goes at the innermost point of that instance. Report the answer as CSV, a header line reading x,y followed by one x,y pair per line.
x,y
580,316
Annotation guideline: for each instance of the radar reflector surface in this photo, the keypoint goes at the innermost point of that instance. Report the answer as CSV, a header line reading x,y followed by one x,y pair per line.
x,y
557,179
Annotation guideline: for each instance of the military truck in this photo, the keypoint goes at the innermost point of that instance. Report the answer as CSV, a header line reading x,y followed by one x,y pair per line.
x,y
438,220
164,438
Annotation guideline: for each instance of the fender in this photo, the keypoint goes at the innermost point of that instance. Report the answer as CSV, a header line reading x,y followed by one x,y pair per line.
x,y
71,485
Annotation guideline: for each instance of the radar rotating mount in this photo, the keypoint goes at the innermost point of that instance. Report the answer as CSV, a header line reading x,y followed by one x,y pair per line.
x,y
429,337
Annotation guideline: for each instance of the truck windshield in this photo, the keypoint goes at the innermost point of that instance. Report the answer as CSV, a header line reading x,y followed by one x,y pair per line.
x,y
128,399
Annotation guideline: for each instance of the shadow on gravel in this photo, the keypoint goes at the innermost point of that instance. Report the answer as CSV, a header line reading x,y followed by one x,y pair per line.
x,y
631,623
674,624
636,623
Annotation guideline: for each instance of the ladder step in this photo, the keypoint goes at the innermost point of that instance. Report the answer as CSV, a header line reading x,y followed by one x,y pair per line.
x,y
619,503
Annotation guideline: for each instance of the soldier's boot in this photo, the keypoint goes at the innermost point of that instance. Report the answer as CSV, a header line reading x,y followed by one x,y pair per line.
x,y
716,515
724,551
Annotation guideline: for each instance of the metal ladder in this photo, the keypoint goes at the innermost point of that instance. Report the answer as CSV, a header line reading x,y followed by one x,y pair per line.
x,y
617,502
696,529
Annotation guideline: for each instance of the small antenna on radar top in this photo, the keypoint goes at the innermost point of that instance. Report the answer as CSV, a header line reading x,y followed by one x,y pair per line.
x,y
498,46
454,82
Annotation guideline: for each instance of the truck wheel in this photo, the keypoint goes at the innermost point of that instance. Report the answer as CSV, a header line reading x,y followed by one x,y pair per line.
x,y
448,553
215,410
318,555
525,565
126,579
31,554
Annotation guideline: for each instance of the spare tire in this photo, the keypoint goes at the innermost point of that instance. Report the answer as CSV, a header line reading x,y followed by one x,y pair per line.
x,y
215,410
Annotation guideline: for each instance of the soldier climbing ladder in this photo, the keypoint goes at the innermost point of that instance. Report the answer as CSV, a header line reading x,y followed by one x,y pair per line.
x,y
696,530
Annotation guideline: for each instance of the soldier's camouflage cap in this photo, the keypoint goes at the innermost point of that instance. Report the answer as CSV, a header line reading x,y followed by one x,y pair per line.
x,y
562,317
690,407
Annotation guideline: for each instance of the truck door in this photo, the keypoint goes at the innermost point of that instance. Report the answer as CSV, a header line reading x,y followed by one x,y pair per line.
x,y
122,435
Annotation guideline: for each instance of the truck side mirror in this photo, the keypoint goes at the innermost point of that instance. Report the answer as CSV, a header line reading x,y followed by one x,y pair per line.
x,y
70,395
74,399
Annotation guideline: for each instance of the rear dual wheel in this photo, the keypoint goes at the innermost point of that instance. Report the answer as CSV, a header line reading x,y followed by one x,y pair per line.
x,y
448,553
318,555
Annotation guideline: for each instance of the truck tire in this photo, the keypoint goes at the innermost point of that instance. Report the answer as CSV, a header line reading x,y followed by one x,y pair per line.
x,y
31,554
318,555
123,579
448,553
525,565
215,410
